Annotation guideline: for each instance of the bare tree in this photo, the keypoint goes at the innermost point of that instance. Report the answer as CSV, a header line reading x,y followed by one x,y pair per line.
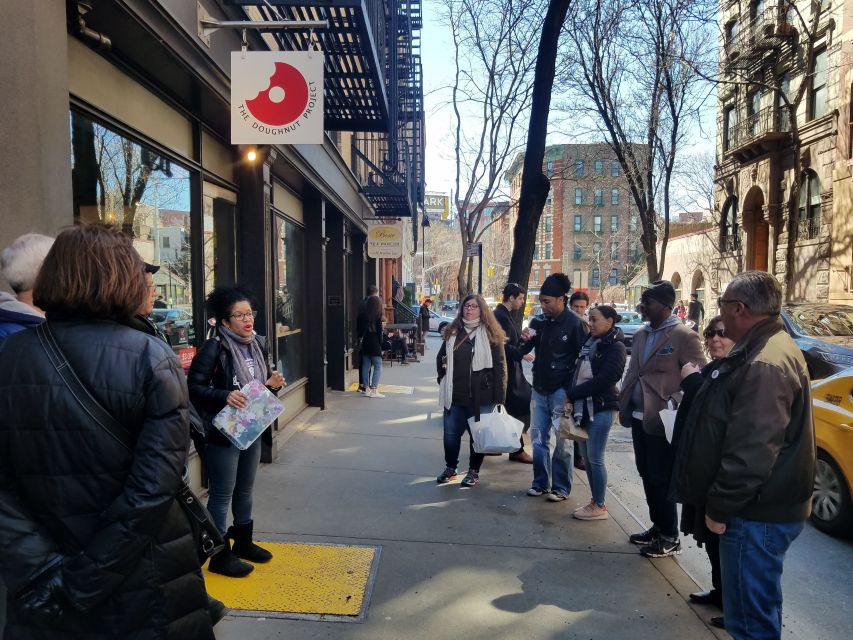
x,y
626,75
494,55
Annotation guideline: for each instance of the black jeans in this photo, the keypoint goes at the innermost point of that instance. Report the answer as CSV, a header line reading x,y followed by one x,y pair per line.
x,y
712,548
654,456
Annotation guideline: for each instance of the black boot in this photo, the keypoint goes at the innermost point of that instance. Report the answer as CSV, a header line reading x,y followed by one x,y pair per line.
x,y
241,534
227,564
216,609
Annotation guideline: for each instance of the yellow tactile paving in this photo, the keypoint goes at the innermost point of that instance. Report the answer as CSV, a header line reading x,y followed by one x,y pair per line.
x,y
301,578
388,388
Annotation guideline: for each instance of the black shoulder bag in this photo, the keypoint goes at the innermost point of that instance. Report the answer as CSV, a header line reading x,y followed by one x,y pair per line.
x,y
207,537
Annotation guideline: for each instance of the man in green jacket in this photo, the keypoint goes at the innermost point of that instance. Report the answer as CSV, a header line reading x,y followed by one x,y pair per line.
x,y
749,453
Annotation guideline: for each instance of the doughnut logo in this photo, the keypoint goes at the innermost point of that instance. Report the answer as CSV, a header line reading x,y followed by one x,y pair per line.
x,y
276,97
284,100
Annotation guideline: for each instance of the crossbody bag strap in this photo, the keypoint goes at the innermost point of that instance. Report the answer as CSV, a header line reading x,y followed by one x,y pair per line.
x,y
96,411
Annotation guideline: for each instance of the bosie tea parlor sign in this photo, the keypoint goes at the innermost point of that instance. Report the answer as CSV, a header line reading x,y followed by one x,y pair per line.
x,y
276,97
385,238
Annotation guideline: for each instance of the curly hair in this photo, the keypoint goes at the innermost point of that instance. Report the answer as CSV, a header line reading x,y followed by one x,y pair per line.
x,y
222,299
487,318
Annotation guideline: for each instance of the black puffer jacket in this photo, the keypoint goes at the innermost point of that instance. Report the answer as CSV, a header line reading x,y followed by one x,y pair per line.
x,y
211,378
558,342
70,493
608,365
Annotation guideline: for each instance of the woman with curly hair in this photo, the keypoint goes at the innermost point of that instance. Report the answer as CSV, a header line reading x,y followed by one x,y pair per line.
x,y
472,379
224,365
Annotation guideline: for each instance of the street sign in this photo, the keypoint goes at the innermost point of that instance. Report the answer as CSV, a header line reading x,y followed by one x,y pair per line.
x,y
437,206
473,249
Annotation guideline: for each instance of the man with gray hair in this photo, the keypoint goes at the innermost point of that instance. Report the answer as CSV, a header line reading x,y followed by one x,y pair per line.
x,y
748,453
20,263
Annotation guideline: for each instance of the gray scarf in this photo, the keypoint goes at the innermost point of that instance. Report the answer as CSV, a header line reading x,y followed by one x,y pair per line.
x,y
583,373
236,345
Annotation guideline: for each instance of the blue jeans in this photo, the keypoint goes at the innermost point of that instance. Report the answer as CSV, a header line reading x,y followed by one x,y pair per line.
x,y
231,474
455,424
552,456
751,557
592,451
368,378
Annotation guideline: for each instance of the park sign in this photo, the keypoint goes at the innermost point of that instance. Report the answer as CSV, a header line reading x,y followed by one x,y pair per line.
x,y
385,238
437,206
276,97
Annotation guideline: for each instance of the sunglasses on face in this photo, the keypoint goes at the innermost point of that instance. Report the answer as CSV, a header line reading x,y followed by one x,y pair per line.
x,y
710,333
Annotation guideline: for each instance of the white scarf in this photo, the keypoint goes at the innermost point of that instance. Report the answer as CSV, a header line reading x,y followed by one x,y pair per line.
x,y
482,359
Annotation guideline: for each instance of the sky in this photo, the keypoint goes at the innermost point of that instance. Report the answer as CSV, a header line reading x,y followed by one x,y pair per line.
x,y
437,58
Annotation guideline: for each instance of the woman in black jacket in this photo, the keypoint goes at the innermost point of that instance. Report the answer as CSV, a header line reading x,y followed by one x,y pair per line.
x,y
224,365
472,380
370,335
593,400
95,544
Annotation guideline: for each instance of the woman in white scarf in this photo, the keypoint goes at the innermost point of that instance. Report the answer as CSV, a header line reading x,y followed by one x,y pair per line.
x,y
472,379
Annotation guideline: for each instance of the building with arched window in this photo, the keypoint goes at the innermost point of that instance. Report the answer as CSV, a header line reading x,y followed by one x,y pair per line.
x,y
783,164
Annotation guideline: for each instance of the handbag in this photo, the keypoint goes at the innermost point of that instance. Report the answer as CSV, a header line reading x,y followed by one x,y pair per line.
x,y
496,432
570,429
207,537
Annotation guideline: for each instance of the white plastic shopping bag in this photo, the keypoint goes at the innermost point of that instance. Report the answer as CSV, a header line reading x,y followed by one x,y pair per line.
x,y
496,432
667,416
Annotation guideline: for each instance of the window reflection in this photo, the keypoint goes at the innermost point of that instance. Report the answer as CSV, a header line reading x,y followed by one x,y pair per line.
x,y
289,296
120,182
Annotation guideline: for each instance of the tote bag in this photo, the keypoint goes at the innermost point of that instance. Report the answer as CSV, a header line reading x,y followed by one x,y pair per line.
x,y
496,432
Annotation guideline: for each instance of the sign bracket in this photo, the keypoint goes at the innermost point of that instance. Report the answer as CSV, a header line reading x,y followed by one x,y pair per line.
x,y
207,24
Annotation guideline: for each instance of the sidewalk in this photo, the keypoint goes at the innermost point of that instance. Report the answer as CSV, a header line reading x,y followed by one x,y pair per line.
x,y
481,563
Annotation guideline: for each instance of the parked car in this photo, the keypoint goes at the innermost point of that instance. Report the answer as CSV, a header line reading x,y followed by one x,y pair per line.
x,y
437,321
832,499
177,324
824,333
631,321
450,305
535,310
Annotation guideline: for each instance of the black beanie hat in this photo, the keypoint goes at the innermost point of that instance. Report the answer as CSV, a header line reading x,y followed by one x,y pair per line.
x,y
556,285
662,291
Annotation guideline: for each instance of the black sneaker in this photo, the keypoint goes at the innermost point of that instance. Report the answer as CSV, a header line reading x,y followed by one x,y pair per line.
x,y
661,548
471,478
645,538
446,476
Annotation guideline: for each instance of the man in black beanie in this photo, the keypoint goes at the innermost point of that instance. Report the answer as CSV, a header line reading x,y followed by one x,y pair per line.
x,y
660,350
557,335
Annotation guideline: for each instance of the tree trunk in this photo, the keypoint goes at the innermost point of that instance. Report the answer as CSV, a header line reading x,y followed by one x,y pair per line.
x,y
534,184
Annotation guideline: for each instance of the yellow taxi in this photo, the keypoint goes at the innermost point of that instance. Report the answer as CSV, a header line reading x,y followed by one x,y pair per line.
x,y
832,500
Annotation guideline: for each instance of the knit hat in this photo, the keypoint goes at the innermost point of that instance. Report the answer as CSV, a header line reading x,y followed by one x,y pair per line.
x,y
151,268
662,291
556,285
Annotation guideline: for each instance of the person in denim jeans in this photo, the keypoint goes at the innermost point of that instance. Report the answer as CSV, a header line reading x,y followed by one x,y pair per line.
x,y
557,335
370,334
593,399
471,367
749,453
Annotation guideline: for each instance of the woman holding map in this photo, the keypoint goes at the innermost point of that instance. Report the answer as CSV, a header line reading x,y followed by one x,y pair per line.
x,y
224,365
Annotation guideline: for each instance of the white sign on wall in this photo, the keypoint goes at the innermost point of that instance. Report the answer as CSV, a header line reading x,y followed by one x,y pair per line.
x,y
385,239
276,97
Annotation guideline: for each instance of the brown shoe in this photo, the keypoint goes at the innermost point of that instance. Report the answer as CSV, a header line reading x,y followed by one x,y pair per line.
x,y
521,456
580,463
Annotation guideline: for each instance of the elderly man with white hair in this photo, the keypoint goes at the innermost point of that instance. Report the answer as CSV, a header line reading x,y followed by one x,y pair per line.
x,y
20,263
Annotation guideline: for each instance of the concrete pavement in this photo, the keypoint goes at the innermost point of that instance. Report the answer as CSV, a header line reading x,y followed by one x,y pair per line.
x,y
480,563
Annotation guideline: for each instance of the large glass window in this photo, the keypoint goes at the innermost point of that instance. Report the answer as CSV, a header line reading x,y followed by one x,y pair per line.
x,y
809,209
614,196
614,222
599,197
729,226
597,224
599,167
614,168
817,101
577,254
578,223
579,168
578,195
289,298
548,223
595,278
121,182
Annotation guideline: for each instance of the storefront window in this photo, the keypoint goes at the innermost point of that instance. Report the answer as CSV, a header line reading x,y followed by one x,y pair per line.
x,y
289,299
120,182
218,215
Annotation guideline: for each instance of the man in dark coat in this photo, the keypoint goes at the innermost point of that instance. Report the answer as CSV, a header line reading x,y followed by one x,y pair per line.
x,y
518,389
695,311
361,320
424,316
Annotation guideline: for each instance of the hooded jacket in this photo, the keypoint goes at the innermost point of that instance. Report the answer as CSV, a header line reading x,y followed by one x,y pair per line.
x,y
749,447
15,316
74,500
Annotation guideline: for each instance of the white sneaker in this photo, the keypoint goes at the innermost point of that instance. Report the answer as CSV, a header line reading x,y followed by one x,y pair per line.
x,y
591,512
375,394
366,393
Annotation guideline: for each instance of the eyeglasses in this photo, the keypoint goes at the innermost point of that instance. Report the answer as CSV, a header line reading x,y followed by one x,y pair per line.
x,y
710,333
242,317
721,301
471,305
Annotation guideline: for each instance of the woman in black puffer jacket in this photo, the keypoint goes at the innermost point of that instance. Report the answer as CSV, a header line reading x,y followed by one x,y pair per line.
x,y
96,546
593,400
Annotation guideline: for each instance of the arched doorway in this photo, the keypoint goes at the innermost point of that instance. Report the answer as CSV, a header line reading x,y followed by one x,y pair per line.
x,y
757,231
675,279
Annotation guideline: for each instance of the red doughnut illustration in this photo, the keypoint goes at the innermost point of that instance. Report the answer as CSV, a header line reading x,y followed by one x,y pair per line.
x,y
291,85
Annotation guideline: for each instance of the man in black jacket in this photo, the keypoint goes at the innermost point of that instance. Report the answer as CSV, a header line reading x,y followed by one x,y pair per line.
x,y
749,453
557,335
517,388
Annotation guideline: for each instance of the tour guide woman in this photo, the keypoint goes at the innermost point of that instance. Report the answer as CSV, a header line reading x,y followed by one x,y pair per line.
x,y
472,379
224,365
593,400
96,545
